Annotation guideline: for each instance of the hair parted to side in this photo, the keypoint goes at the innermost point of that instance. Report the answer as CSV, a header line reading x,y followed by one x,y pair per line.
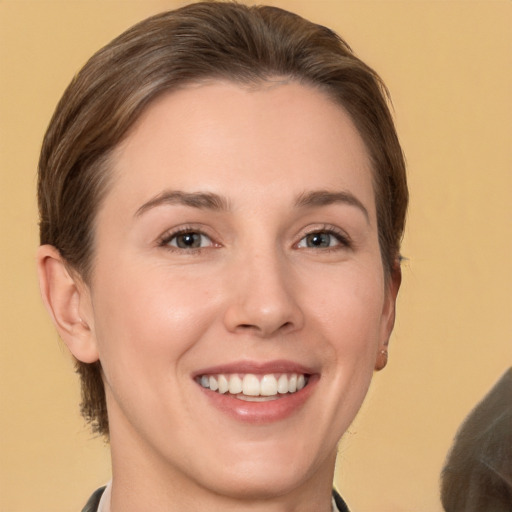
x,y
205,40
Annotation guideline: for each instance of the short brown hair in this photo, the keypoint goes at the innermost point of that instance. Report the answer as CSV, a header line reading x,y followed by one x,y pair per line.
x,y
203,40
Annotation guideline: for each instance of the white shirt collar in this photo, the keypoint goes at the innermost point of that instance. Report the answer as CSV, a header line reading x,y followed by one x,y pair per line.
x,y
104,504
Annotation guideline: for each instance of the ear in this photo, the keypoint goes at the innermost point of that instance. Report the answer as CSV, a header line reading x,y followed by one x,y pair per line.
x,y
388,314
67,299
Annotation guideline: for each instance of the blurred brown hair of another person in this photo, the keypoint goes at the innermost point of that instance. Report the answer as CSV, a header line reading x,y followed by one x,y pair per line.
x,y
477,476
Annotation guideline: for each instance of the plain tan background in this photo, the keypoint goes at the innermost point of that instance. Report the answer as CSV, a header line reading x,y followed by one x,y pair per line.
x,y
448,66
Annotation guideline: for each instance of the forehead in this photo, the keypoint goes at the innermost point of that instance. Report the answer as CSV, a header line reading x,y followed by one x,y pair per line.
x,y
277,136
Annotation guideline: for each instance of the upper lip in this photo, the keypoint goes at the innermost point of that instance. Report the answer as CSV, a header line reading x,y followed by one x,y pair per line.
x,y
257,367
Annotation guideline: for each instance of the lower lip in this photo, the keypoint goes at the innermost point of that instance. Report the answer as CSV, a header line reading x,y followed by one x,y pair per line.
x,y
261,412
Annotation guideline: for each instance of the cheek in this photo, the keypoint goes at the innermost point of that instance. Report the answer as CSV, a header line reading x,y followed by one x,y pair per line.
x,y
349,307
349,313
147,320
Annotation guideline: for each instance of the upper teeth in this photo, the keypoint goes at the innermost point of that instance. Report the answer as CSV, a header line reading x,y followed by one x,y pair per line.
x,y
250,384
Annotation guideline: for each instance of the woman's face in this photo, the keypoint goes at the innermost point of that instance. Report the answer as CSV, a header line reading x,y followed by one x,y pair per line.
x,y
237,248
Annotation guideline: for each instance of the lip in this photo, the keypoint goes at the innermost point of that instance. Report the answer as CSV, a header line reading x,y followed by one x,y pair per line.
x,y
277,366
259,412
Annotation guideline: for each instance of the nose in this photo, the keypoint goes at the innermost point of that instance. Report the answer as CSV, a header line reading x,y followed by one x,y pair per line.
x,y
263,298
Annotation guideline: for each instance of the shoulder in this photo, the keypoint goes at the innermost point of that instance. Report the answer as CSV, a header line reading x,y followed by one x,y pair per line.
x,y
94,500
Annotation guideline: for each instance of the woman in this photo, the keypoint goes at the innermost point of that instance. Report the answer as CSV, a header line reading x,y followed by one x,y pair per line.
x,y
222,198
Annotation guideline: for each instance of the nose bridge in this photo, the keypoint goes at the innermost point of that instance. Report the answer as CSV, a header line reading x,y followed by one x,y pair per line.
x,y
263,298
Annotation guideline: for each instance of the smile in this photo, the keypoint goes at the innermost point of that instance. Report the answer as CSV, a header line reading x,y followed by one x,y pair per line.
x,y
253,387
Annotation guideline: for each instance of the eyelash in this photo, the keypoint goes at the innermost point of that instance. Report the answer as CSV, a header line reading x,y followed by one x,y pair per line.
x,y
341,237
167,238
344,241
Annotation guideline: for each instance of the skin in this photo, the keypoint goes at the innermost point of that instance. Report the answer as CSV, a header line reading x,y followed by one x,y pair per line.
x,y
255,290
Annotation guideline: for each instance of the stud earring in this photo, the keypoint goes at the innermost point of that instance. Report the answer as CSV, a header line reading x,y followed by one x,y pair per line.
x,y
382,360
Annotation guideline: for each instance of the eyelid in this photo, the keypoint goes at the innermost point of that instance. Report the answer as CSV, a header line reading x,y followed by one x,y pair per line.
x,y
164,239
340,235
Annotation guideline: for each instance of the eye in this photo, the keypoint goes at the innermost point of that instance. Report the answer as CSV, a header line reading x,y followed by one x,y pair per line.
x,y
324,239
186,240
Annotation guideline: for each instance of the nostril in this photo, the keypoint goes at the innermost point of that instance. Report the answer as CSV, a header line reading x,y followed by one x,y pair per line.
x,y
256,328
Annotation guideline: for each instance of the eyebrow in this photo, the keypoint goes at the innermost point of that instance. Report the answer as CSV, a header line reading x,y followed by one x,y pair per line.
x,y
202,200
326,197
214,202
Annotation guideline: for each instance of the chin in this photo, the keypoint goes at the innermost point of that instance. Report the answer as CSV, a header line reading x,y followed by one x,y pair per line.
x,y
272,472
255,482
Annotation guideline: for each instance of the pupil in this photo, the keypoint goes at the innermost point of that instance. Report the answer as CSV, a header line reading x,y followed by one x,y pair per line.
x,y
319,240
188,240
